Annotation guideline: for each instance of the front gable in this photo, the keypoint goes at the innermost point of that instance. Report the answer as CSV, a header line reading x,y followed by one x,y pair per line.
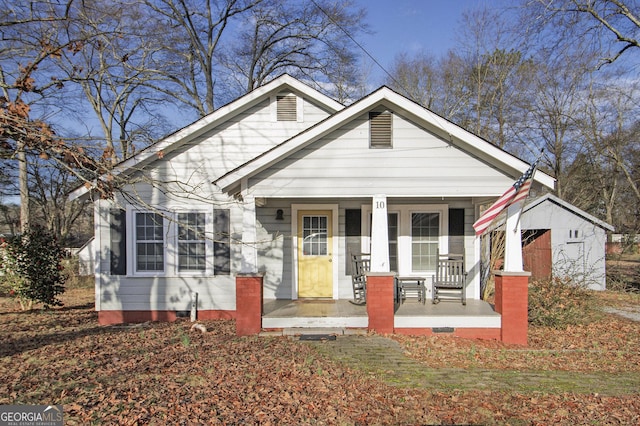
x,y
346,163
424,155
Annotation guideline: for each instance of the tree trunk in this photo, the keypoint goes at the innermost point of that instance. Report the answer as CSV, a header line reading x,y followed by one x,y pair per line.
x,y
24,187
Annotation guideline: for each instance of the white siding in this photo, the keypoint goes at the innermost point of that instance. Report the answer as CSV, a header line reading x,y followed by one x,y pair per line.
x,y
200,161
343,165
182,179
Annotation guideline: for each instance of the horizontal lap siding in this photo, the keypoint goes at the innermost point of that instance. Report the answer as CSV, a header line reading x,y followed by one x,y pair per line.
x,y
342,164
167,294
207,157
186,175
274,250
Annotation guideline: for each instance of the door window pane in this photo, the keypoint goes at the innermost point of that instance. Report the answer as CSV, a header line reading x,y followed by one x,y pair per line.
x,y
314,234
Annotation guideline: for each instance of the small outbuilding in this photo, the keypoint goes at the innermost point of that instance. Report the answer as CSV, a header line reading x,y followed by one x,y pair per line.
x,y
562,240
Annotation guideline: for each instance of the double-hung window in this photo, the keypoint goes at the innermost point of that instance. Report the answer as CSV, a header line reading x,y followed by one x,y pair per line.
x,y
425,232
149,242
192,248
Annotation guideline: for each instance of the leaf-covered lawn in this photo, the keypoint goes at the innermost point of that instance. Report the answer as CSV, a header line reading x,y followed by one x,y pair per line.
x,y
161,373
609,345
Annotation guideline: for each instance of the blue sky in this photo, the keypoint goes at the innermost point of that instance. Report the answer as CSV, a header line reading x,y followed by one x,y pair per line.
x,y
412,26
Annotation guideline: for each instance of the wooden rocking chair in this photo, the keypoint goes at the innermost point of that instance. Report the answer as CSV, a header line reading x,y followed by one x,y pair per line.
x,y
360,264
450,279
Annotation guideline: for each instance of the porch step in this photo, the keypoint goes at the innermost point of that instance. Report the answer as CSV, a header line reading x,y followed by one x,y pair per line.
x,y
297,331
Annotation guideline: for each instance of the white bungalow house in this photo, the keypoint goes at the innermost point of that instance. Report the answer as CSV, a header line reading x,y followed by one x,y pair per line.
x,y
283,183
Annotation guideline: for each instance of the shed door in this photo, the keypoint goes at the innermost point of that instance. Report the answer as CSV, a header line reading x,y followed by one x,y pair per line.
x,y
315,260
536,253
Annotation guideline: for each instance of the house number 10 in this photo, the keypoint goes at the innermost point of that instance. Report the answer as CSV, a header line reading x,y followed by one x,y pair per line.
x,y
380,205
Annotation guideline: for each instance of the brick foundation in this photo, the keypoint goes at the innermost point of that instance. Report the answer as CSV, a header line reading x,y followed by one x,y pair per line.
x,y
132,317
513,304
380,302
467,333
248,304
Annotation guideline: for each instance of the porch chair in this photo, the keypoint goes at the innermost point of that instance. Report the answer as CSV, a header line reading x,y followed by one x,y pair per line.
x,y
360,264
450,279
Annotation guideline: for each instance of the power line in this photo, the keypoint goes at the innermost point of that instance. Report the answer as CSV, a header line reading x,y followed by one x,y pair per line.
x,y
400,85
359,46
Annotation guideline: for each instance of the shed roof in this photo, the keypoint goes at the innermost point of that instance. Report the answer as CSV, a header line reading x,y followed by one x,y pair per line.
x,y
567,206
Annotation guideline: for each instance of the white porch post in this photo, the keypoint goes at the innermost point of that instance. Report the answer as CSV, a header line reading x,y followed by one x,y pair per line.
x,y
249,263
379,235
513,239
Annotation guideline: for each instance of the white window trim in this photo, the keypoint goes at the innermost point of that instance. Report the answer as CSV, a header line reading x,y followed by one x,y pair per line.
x,y
208,231
170,242
404,212
131,244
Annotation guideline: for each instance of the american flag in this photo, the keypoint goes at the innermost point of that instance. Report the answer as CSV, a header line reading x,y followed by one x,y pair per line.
x,y
517,192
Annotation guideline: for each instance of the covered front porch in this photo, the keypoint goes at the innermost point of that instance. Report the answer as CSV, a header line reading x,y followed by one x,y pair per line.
x,y
384,314
410,317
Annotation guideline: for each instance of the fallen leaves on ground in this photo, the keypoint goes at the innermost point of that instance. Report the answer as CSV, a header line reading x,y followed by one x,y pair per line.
x,y
607,344
164,373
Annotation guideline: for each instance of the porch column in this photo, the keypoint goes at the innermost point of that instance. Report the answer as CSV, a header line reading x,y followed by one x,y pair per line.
x,y
513,239
248,281
248,304
512,304
249,263
380,302
379,235
512,293
380,280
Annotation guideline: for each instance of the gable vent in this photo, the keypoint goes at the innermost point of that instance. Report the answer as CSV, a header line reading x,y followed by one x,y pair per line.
x,y
380,129
286,107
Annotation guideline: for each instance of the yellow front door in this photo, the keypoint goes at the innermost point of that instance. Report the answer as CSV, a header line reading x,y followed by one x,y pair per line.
x,y
315,262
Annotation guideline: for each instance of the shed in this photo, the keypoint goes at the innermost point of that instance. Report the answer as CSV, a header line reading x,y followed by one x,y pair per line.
x,y
562,240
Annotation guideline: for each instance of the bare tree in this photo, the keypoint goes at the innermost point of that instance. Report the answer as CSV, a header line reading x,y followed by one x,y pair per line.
x,y
418,78
435,83
190,34
613,26
601,174
499,73
22,53
309,39
113,71
31,48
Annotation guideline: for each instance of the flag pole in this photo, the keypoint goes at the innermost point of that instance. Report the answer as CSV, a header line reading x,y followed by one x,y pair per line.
x,y
533,173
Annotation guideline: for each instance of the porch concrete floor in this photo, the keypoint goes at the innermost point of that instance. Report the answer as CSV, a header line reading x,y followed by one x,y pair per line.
x,y
312,308
280,314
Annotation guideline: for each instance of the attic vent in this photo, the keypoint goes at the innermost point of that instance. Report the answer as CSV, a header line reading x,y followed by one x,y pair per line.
x,y
286,107
380,129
